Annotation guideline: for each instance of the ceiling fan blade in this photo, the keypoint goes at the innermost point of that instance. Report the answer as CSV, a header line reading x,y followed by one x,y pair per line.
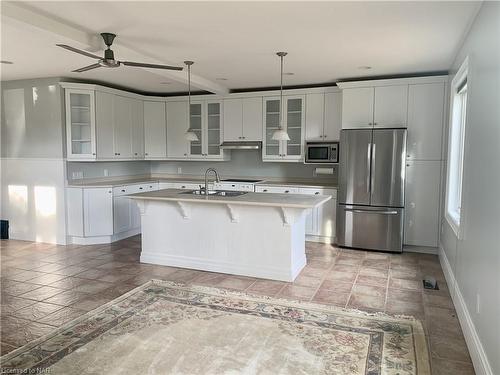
x,y
85,68
81,52
154,66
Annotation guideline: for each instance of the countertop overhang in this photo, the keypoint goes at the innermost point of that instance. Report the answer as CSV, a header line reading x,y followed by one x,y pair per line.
x,y
249,199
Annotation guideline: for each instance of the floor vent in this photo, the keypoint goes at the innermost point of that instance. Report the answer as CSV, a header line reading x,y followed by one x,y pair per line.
x,y
430,283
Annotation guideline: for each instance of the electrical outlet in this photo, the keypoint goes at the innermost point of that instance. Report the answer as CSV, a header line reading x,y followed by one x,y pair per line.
x,y
478,304
179,170
106,173
77,175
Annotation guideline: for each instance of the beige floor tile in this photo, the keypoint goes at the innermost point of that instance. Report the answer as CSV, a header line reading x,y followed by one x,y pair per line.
x,y
445,367
266,287
297,292
366,302
336,285
369,290
447,348
329,297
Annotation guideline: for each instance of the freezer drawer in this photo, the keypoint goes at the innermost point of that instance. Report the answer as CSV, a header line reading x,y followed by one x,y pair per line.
x,y
372,228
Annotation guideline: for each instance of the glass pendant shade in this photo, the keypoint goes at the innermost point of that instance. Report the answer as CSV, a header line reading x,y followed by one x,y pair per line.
x,y
191,136
280,135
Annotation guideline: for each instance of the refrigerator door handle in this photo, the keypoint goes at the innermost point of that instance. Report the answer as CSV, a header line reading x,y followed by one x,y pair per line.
x,y
372,167
368,167
358,211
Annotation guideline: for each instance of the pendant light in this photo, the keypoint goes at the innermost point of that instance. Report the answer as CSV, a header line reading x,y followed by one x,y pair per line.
x,y
281,134
190,134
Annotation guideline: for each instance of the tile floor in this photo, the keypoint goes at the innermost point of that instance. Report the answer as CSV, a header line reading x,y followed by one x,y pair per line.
x,y
44,286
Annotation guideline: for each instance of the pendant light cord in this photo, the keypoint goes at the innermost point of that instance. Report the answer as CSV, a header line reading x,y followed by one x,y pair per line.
x,y
281,94
189,94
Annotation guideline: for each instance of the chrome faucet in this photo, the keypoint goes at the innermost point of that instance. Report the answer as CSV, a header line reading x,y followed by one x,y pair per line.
x,y
217,179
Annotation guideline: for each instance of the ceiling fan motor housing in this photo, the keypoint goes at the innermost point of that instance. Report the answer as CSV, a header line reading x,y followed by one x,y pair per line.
x,y
108,38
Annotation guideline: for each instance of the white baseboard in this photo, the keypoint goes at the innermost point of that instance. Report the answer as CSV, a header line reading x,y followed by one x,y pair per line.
x,y
99,240
265,272
476,350
320,239
420,249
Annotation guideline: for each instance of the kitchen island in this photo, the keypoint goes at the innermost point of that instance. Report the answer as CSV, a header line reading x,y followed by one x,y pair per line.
x,y
252,234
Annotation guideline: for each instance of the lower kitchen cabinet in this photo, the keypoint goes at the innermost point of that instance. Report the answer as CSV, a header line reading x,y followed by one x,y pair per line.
x,y
320,223
103,215
422,203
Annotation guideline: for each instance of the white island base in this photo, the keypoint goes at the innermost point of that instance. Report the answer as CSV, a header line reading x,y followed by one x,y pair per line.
x,y
258,235
257,241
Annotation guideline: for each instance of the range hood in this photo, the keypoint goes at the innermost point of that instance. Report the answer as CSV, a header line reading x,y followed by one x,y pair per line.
x,y
241,145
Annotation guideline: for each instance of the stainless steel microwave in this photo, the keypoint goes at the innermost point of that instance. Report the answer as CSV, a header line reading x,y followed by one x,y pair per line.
x,y
322,152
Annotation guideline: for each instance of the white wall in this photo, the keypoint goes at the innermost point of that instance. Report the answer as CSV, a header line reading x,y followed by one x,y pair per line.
x,y
32,164
474,260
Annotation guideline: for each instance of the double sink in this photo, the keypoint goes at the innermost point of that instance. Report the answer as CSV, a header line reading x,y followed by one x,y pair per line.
x,y
217,193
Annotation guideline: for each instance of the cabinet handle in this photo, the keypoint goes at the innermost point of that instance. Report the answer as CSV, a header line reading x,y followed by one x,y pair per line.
x,y
265,190
93,153
243,137
233,185
183,187
146,154
287,191
317,193
136,153
123,191
374,123
140,188
185,154
407,165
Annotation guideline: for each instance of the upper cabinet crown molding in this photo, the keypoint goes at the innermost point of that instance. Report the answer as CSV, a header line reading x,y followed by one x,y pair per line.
x,y
392,81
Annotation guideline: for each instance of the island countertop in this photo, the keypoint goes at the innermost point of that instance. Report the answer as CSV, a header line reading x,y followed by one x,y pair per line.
x,y
248,199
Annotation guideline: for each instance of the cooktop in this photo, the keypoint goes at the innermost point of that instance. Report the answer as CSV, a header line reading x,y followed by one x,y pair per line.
x,y
240,180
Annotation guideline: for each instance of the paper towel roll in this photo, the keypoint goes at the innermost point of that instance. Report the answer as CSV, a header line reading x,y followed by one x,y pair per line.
x,y
324,170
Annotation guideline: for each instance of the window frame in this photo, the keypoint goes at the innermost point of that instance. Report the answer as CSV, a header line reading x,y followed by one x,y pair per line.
x,y
459,100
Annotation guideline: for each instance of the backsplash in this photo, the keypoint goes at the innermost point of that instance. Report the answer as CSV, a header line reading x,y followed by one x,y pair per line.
x,y
243,163
104,169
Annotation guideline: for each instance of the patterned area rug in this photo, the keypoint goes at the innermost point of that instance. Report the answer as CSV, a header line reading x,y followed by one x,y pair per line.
x,y
167,328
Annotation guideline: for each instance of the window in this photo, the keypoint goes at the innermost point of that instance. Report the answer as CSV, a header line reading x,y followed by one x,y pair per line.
x,y
456,146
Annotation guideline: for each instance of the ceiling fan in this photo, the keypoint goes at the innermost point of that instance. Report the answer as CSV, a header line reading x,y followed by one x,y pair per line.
x,y
108,61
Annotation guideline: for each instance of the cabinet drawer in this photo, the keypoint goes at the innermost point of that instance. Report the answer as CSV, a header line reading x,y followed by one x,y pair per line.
x,y
319,191
276,189
128,189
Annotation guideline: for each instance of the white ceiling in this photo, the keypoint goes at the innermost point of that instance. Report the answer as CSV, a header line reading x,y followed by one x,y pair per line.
x,y
326,41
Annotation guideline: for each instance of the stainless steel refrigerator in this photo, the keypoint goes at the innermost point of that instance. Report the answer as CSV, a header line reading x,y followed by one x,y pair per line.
x,y
371,197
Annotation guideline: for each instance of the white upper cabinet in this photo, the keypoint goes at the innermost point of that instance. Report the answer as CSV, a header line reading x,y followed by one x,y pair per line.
x,y
196,125
293,122
122,129
391,106
80,124
213,129
243,119
137,129
380,106
252,119
323,116
105,119
233,120
177,124
333,116
315,116
155,130
357,107
425,121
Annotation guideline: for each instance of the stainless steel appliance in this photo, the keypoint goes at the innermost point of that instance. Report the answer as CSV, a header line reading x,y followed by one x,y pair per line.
x,y
322,152
370,208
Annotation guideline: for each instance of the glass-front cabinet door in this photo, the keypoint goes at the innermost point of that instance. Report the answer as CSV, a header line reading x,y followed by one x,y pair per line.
x,y
271,149
293,122
214,126
80,124
294,125
196,125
